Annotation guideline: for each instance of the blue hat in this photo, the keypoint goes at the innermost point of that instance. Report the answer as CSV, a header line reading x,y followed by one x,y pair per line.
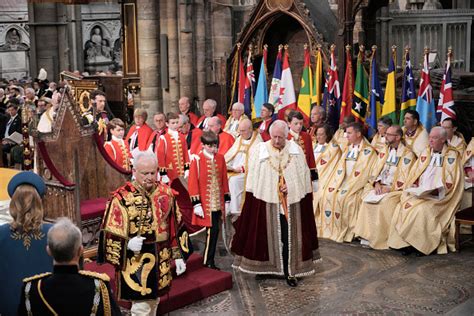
x,y
27,177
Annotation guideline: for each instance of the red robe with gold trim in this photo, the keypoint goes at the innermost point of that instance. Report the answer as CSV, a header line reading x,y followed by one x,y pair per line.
x,y
207,185
119,152
144,133
172,154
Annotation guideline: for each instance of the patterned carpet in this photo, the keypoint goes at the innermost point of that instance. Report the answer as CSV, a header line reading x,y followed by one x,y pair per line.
x,y
352,280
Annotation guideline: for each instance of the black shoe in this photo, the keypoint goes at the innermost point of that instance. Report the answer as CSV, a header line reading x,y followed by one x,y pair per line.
x,y
407,251
291,281
419,254
212,266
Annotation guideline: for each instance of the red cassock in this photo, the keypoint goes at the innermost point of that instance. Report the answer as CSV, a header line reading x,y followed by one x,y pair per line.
x,y
154,139
208,185
306,144
195,140
172,156
144,133
119,152
265,132
226,141
193,118
202,118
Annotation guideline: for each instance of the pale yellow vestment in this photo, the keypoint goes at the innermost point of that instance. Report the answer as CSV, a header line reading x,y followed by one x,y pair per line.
x,y
418,142
427,223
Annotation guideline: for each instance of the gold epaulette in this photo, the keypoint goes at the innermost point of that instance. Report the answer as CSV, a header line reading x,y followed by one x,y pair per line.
x,y
95,275
36,277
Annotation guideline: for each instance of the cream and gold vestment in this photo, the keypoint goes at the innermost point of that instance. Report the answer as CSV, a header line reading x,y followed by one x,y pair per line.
x,y
340,200
391,169
426,221
238,157
418,141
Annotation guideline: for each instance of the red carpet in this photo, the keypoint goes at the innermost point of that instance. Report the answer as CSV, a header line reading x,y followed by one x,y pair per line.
x,y
196,284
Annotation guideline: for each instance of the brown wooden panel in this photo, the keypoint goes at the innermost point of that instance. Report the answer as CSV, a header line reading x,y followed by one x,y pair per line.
x,y
130,42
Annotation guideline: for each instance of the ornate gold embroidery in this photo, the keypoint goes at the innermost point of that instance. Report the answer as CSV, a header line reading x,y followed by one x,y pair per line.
x,y
133,265
113,250
183,241
26,237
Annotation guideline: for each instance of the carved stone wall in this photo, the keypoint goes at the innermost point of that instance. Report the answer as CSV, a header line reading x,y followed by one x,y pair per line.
x,y
14,39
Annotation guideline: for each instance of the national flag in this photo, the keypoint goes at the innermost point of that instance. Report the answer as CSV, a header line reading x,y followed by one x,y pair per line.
x,y
234,94
333,100
306,89
389,108
348,90
446,100
261,95
274,97
249,88
318,79
408,101
361,90
287,88
425,105
376,100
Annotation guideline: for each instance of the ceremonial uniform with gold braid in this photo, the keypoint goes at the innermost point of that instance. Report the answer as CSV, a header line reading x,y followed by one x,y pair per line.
x,y
133,211
67,291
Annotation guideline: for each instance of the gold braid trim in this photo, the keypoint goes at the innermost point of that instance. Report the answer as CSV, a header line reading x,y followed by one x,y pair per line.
x,y
44,300
95,275
35,277
105,299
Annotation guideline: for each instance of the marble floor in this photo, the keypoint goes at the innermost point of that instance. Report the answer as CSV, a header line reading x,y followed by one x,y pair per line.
x,y
352,280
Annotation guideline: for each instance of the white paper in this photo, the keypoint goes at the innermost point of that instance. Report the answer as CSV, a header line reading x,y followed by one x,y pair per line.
x,y
16,137
374,198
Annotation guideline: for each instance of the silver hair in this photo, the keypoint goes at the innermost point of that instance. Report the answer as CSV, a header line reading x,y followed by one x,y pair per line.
x,y
280,124
145,155
237,106
442,132
31,90
183,118
321,111
211,102
2,91
64,240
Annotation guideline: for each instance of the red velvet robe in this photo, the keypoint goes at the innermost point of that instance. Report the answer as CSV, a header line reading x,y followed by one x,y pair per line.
x,y
144,133
119,152
200,190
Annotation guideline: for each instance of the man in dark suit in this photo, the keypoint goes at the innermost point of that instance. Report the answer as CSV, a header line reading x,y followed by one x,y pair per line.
x,y
68,290
8,127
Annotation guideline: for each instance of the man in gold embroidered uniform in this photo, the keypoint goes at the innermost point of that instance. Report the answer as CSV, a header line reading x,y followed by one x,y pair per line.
x,y
424,218
68,290
381,196
139,237
237,163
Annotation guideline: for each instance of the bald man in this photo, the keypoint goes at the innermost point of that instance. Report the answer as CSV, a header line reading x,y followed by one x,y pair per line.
x,y
226,140
184,108
237,162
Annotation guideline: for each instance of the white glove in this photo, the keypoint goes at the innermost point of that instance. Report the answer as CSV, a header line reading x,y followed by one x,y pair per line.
x,y
186,174
180,266
165,179
227,208
135,244
198,211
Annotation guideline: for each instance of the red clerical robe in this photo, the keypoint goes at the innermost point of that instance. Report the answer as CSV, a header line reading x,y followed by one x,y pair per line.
x,y
195,142
144,133
119,152
264,129
200,122
208,186
193,118
154,139
306,143
226,141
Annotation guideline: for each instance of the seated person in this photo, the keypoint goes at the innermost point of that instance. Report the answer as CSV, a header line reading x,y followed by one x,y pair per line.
x,y
8,128
424,218
139,133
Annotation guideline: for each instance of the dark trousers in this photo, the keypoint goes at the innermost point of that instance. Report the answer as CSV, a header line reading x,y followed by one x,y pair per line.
x,y
212,237
284,240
